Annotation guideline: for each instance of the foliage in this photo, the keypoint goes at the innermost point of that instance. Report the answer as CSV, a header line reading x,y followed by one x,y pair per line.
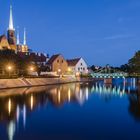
x,y
134,63
19,63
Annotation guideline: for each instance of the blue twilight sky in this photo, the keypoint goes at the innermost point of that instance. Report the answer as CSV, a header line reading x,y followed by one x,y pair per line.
x,y
101,31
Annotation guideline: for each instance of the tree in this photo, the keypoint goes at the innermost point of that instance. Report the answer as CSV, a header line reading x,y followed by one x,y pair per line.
x,y
19,64
134,63
125,68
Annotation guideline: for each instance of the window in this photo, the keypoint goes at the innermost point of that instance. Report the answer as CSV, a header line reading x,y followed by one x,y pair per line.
x,y
78,69
58,61
81,64
62,61
84,69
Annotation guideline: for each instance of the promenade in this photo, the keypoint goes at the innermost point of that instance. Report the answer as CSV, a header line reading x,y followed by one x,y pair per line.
x,y
32,82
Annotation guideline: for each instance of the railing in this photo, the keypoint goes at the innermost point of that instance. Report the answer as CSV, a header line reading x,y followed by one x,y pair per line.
x,y
109,75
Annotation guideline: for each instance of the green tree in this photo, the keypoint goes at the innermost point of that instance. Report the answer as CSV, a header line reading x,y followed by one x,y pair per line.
x,y
134,63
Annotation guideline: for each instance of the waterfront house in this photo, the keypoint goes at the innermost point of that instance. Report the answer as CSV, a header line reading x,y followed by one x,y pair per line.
x,y
58,64
77,65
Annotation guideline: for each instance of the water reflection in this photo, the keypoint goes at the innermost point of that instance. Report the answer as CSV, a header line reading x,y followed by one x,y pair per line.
x,y
134,104
17,104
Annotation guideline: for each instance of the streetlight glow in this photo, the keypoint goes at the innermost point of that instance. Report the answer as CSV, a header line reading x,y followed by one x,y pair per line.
x,y
69,69
31,69
9,68
59,70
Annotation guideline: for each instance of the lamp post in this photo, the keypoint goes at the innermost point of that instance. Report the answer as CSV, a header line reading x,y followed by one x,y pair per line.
x,y
31,69
59,73
9,68
77,76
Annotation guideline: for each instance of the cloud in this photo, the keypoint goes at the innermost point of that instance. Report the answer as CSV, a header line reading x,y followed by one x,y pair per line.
x,y
121,36
124,19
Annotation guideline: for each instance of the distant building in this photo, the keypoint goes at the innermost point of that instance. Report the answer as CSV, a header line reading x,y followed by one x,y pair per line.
x,y
39,58
58,64
22,47
77,65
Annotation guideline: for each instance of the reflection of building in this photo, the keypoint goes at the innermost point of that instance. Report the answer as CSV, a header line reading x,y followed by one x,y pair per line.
x,y
57,63
16,104
78,65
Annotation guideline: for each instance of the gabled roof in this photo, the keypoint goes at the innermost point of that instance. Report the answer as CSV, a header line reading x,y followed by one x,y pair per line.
x,y
73,62
53,58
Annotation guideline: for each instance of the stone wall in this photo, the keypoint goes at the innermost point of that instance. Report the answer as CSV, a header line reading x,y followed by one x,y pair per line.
x,y
22,82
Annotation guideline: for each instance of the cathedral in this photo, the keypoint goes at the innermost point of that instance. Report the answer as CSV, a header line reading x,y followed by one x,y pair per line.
x,y
11,41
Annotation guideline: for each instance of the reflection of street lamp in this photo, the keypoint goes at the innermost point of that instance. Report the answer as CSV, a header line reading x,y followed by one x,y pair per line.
x,y
32,101
9,106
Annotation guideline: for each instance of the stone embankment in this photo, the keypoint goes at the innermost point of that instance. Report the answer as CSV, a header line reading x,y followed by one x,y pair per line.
x,y
32,82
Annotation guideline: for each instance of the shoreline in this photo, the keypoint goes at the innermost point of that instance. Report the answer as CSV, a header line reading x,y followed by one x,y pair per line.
x,y
38,82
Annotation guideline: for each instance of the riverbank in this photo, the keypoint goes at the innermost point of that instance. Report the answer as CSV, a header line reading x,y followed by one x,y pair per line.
x,y
33,82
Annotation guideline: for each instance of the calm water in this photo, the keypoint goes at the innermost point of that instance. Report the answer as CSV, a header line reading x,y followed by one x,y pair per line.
x,y
83,111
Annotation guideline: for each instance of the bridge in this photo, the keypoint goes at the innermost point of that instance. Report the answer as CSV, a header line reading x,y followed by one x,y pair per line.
x,y
108,72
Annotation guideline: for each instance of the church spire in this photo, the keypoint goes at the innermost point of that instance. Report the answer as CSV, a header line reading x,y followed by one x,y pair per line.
x,y
18,40
11,25
24,41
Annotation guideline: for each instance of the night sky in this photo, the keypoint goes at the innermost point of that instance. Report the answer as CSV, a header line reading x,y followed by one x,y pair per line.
x,y
101,31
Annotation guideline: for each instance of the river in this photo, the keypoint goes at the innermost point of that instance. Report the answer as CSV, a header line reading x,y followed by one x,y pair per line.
x,y
76,111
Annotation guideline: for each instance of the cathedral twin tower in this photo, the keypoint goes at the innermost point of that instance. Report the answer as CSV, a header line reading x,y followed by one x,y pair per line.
x,y
11,42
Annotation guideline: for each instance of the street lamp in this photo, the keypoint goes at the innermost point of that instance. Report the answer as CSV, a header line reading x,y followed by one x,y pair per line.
x,y
69,69
31,69
9,68
59,72
77,74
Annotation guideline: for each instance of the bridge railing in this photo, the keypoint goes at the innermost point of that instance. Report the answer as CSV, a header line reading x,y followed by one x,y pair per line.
x,y
109,75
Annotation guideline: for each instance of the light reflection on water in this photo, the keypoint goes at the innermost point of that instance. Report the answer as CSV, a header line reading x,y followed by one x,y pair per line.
x,y
16,105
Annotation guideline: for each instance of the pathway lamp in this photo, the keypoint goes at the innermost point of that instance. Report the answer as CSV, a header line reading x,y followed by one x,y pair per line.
x,y
9,69
31,69
77,74
59,72
69,69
